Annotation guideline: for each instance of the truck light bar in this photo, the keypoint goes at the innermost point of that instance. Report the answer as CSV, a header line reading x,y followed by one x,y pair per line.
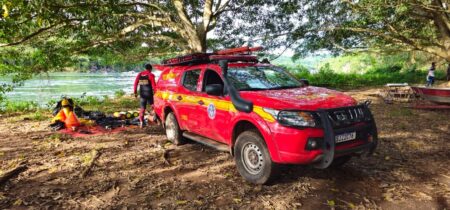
x,y
234,54
239,50
191,58
231,58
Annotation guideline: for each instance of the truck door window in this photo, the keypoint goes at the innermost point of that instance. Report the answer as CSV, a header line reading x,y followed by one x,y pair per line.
x,y
190,79
211,77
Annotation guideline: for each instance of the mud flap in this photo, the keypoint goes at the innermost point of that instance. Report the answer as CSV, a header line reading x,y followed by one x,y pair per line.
x,y
328,146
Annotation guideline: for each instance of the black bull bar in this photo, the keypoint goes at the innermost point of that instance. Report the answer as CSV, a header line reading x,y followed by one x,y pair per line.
x,y
337,121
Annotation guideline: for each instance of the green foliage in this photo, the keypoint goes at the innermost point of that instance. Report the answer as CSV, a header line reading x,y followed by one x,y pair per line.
x,y
18,106
88,101
309,62
373,25
106,104
38,115
364,70
376,76
119,93
369,70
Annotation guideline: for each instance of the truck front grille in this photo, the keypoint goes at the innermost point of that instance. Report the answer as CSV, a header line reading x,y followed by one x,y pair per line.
x,y
346,116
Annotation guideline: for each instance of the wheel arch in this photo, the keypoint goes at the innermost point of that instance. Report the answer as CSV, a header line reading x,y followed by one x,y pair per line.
x,y
168,109
262,129
240,127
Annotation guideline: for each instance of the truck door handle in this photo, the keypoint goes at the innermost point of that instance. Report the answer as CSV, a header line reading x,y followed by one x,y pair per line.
x,y
200,102
179,98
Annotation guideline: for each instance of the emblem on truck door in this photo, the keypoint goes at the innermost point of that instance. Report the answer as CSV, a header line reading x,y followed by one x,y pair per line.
x,y
211,111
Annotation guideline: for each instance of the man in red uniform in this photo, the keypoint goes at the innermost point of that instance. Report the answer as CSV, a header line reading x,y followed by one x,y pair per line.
x,y
147,85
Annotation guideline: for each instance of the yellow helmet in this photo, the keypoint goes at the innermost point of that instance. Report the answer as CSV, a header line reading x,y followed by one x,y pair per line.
x,y
65,102
116,114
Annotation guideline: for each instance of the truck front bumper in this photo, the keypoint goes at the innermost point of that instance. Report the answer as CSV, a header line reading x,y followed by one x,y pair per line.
x,y
292,142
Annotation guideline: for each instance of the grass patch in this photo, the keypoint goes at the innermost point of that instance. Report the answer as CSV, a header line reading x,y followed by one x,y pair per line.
x,y
19,106
106,104
39,115
119,94
403,112
32,111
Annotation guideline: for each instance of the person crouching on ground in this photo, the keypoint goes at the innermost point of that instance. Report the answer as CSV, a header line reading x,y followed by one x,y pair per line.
x,y
147,85
430,76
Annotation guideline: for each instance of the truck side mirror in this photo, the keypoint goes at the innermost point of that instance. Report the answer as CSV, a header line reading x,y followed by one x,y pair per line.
x,y
214,89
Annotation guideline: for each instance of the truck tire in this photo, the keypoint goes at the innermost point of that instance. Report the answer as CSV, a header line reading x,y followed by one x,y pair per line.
x,y
252,158
173,131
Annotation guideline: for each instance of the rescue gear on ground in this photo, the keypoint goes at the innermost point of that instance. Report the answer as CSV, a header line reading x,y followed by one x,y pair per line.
x,y
68,115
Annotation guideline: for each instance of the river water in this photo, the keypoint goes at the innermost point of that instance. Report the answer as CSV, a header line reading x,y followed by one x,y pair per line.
x,y
42,88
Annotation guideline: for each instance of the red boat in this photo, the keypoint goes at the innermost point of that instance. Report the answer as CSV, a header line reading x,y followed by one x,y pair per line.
x,y
436,95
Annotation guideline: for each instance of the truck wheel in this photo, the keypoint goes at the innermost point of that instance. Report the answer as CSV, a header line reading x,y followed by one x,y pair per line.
x,y
340,161
173,131
252,158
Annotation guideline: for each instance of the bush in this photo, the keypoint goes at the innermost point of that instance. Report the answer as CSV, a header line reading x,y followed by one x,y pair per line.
x,y
19,106
376,76
119,94
88,100
39,116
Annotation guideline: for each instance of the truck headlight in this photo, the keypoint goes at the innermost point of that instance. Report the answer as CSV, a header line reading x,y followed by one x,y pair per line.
x,y
297,118
294,118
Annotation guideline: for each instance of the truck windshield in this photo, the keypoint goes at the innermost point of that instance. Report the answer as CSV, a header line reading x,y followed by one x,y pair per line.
x,y
261,78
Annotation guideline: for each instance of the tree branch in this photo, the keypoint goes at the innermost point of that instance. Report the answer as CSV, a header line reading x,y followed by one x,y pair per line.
x,y
28,37
182,13
436,50
207,14
221,9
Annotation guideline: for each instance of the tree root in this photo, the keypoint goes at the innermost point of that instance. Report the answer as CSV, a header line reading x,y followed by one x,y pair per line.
x,y
21,167
95,155
165,157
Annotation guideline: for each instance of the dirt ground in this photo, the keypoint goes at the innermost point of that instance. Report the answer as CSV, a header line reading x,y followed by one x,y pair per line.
x,y
410,170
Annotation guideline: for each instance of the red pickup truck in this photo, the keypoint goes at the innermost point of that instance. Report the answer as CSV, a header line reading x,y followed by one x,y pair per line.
x,y
259,113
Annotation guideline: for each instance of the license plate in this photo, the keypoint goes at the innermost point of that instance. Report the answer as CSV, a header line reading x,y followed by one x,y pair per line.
x,y
345,137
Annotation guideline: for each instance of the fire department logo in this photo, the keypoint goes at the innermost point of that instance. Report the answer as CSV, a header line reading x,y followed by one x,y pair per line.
x,y
211,111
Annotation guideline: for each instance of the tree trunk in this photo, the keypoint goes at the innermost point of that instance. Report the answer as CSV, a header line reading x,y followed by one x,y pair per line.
x,y
196,44
195,34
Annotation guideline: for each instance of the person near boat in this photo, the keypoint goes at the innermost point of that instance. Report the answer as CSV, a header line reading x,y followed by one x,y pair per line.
x,y
448,72
430,75
146,82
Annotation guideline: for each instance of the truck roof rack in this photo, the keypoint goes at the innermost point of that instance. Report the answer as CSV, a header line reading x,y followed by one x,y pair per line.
x,y
242,54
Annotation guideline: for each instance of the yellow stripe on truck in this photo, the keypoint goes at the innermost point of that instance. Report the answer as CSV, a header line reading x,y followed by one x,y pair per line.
x,y
222,105
266,116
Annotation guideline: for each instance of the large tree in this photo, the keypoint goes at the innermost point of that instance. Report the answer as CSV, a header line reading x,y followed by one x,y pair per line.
x,y
41,35
171,25
394,25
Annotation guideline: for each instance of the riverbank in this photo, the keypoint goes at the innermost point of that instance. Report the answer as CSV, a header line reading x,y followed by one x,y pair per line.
x,y
138,168
43,88
119,102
